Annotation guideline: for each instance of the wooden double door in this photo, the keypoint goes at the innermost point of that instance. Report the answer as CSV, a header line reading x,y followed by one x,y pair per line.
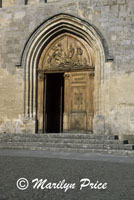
x,y
65,101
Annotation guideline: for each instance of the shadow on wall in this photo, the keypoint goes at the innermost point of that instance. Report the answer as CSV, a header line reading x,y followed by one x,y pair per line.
x,y
34,1
8,3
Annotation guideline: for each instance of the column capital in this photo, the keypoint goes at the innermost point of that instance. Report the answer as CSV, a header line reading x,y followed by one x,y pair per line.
x,y
91,75
66,76
41,76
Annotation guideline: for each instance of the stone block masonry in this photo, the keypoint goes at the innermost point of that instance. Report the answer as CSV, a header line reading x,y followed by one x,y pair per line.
x,y
114,19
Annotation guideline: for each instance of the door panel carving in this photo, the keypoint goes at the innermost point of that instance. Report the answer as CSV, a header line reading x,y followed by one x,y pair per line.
x,y
79,111
78,122
78,98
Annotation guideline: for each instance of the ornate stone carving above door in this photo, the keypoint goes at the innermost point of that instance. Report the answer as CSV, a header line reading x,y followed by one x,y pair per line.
x,y
67,52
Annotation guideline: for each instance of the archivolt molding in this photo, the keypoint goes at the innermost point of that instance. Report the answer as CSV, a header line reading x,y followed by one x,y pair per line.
x,y
39,40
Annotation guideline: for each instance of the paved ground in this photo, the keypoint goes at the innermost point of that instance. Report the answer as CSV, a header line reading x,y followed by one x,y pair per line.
x,y
117,171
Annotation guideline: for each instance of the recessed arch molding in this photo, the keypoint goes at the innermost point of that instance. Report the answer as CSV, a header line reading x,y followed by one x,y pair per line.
x,y
51,28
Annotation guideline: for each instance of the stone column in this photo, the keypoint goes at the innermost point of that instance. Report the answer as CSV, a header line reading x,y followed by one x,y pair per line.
x,y
66,102
40,114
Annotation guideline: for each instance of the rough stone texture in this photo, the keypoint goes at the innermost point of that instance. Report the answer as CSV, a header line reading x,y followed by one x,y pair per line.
x,y
113,18
7,3
116,171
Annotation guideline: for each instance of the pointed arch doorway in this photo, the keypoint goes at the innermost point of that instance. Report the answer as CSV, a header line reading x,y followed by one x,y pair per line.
x,y
65,86
65,44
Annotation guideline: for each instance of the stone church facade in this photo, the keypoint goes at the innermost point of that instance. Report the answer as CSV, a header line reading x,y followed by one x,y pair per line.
x,y
67,66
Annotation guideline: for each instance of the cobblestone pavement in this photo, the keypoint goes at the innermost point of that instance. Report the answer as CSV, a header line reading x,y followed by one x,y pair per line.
x,y
117,171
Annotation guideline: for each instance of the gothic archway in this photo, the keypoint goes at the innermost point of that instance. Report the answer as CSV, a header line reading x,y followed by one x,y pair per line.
x,y
62,24
66,103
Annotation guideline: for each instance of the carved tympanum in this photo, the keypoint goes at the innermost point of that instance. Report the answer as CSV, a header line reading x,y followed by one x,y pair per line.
x,y
67,53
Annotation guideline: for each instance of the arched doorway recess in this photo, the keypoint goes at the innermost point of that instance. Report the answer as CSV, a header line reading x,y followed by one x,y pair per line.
x,y
65,86
65,46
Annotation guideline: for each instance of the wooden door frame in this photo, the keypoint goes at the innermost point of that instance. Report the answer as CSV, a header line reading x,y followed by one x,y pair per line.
x,y
42,76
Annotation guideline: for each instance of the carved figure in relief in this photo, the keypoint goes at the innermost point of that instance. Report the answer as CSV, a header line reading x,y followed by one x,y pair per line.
x,y
57,56
78,57
79,51
69,54
71,51
62,56
85,62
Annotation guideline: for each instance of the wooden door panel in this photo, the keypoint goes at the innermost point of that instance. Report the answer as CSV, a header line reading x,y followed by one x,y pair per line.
x,y
78,113
78,121
78,78
78,97
78,101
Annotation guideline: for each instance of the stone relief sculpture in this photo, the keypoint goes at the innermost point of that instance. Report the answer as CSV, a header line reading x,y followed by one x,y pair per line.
x,y
67,54
57,56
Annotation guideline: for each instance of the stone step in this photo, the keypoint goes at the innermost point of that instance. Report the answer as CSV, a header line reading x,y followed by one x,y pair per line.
x,y
60,135
101,151
63,140
66,142
71,145
91,146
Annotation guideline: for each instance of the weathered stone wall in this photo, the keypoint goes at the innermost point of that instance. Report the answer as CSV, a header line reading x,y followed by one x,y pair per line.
x,y
113,18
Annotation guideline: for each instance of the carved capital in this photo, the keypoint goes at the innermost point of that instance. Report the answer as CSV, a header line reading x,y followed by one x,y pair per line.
x,y
66,76
41,76
91,75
